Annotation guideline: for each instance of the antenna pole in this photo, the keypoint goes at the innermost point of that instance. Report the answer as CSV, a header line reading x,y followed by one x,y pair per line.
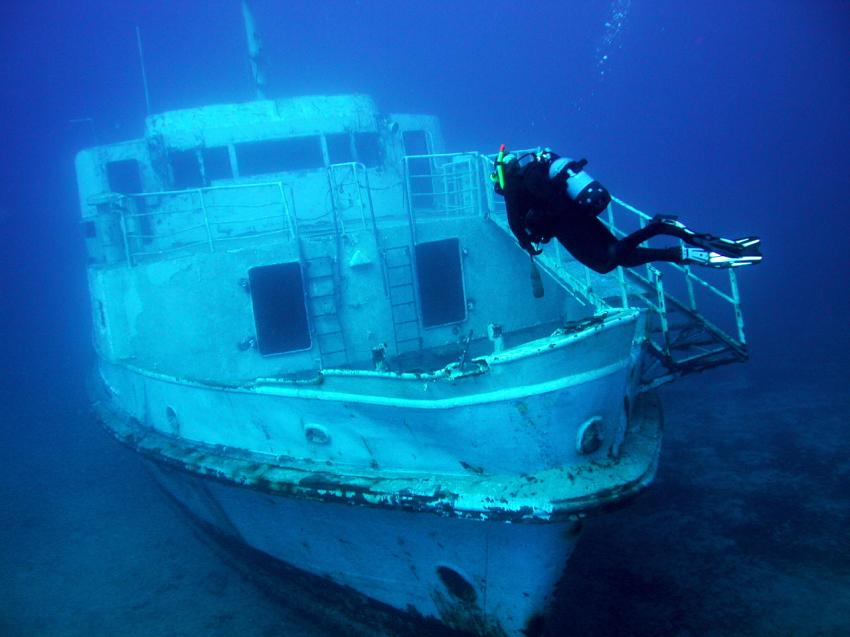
x,y
254,52
144,74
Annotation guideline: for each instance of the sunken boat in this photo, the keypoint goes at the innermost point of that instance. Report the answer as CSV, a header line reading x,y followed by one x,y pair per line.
x,y
315,326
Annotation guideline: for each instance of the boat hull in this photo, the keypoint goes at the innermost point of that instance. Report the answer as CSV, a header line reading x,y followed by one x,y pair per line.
x,y
456,495
485,578
481,574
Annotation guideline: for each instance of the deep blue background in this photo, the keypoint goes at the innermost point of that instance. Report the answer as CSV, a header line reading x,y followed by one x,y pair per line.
x,y
732,114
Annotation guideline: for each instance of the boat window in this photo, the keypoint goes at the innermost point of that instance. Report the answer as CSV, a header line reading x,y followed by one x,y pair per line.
x,y
185,169
339,148
440,279
124,176
280,312
216,164
415,142
279,155
368,148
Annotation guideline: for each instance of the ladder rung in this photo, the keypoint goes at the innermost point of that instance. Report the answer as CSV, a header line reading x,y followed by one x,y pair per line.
x,y
329,333
400,323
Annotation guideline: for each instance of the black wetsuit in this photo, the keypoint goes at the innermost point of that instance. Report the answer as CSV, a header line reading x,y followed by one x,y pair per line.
x,y
539,209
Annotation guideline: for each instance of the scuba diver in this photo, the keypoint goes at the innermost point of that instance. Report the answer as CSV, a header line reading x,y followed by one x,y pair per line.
x,y
550,196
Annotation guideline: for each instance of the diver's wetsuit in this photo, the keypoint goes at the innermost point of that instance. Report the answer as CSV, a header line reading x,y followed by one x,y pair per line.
x,y
539,209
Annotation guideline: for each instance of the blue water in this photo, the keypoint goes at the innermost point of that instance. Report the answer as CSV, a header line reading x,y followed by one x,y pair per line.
x,y
733,115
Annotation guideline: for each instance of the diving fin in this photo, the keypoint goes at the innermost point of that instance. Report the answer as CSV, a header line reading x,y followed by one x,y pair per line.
x,y
744,248
711,259
734,248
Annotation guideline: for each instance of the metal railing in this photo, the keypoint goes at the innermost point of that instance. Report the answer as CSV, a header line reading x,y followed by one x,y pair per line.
x,y
694,341
443,185
161,224
351,196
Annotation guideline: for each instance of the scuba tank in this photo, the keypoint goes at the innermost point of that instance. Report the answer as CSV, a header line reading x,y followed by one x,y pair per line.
x,y
587,193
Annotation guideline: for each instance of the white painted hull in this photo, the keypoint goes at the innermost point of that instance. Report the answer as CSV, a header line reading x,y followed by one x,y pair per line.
x,y
522,415
393,556
472,526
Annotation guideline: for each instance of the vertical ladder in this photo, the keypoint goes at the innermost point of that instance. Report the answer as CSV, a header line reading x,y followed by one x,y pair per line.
x,y
347,182
398,267
320,281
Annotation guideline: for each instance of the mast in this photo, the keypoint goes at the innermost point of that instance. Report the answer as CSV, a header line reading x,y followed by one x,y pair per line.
x,y
144,73
254,52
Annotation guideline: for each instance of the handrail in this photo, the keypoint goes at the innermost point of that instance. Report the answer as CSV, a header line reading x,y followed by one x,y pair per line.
x,y
690,278
196,211
632,280
455,188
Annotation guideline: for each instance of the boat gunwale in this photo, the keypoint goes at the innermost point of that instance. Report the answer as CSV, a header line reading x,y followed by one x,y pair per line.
x,y
310,388
507,498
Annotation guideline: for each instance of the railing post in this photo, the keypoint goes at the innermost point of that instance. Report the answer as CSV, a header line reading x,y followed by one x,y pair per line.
x,y
206,220
288,222
662,307
621,278
411,217
368,188
122,220
739,317
692,299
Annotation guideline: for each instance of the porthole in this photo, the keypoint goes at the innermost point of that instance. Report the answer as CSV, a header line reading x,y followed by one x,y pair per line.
x,y
589,436
317,434
173,421
457,584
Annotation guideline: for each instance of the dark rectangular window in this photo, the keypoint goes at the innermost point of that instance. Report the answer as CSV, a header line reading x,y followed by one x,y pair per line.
x,y
124,176
217,164
279,155
185,169
415,142
339,148
368,148
280,311
440,279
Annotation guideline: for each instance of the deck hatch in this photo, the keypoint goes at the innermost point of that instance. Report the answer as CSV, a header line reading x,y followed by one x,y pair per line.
x,y
438,272
280,312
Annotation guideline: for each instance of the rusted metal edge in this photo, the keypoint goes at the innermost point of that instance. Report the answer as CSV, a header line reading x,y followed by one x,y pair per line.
x,y
551,495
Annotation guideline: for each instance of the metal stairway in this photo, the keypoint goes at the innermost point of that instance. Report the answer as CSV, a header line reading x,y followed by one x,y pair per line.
x,y
321,289
681,339
351,196
398,267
